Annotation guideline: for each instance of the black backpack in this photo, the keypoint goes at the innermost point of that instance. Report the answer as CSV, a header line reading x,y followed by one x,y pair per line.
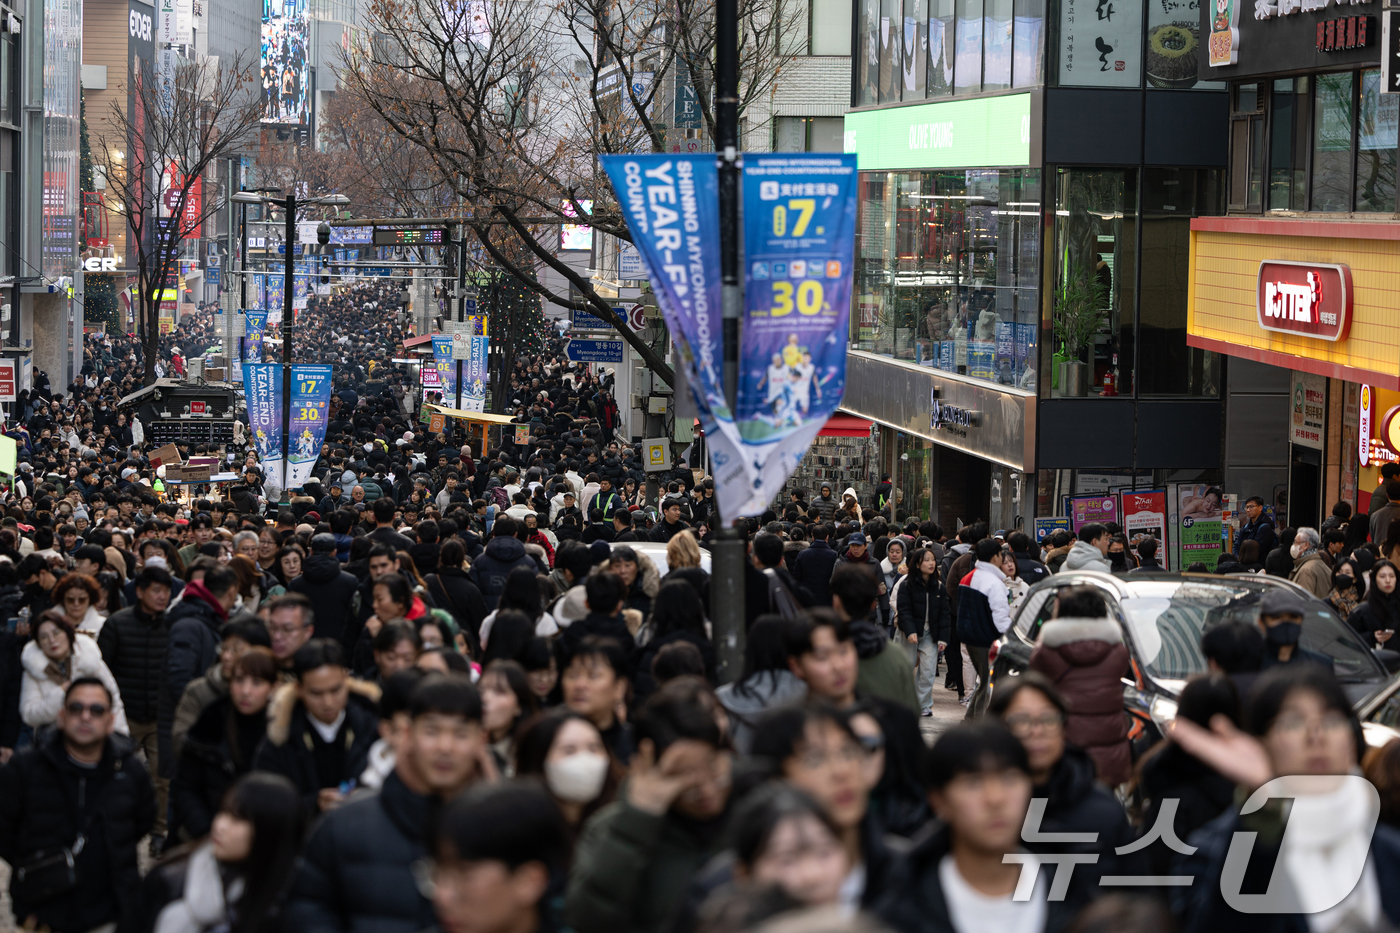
x,y
780,598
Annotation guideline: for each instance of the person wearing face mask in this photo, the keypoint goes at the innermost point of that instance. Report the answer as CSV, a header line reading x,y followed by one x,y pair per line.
x,y
1118,555
1348,589
1378,616
1281,614
1312,567
220,745
566,750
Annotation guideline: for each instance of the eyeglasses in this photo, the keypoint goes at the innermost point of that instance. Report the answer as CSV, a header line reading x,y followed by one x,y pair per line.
x,y
95,710
1023,725
1327,722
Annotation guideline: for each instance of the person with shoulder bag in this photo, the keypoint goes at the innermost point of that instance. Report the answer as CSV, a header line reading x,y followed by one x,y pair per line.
x,y
79,783
921,614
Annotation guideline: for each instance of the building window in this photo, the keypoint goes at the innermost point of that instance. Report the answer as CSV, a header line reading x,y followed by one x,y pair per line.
x,y
1028,58
1375,146
940,48
808,134
1247,148
891,18
868,53
967,72
1288,144
829,27
1332,142
947,274
915,76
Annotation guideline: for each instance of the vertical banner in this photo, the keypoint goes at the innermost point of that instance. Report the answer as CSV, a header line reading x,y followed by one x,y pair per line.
x,y
262,387
1200,524
446,368
671,203
256,327
1145,515
799,243
474,376
311,396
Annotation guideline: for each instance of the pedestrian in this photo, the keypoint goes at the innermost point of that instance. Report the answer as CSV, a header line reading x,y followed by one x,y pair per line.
x,y
565,750
320,728
1312,567
924,621
330,589
76,783
814,565
1258,527
594,683
1090,552
236,879
1381,518
1029,566
55,657
504,553
1378,616
984,615
765,683
357,873
1081,651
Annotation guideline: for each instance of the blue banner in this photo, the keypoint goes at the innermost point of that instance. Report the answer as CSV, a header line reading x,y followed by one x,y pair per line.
x,y
311,396
256,327
799,244
474,375
262,387
671,203
446,367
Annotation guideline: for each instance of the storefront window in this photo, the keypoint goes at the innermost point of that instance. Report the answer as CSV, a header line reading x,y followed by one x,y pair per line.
x,y
1166,365
1092,317
913,470
1375,146
948,271
968,71
1331,161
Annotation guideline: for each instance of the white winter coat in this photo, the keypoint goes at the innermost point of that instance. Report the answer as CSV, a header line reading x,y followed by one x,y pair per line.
x,y
40,697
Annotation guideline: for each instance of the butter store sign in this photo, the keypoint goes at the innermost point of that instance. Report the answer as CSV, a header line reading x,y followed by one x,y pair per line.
x,y
982,132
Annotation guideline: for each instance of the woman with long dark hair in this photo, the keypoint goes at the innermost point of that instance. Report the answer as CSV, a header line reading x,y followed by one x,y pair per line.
x,y
676,615
1377,618
238,877
766,682
566,751
506,699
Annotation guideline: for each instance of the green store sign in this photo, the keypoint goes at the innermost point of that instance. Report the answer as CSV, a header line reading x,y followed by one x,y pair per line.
x,y
976,133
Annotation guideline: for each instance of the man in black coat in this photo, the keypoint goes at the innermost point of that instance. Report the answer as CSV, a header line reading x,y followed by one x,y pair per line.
x,y
320,729
331,590
133,643
357,873
79,782
814,565
504,553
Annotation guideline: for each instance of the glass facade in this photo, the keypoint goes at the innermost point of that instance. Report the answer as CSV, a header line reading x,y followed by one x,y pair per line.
x,y
947,270
910,50
63,45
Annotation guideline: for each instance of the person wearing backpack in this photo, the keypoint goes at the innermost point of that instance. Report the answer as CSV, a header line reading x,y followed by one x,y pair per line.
x,y
922,616
786,596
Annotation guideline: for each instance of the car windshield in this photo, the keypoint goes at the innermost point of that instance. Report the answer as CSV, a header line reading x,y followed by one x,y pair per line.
x,y
1166,619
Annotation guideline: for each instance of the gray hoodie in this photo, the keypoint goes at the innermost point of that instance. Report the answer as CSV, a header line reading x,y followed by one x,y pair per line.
x,y
1084,556
763,691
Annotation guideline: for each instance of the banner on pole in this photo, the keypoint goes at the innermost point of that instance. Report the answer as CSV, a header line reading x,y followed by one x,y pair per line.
x,y
311,396
446,367
671,203
253,337
474,375
799,246
262,387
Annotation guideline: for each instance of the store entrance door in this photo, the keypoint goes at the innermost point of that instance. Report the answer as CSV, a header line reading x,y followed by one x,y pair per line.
x,y
1304,487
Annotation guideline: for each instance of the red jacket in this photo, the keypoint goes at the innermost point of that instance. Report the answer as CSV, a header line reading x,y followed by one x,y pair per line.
x,y
1085,659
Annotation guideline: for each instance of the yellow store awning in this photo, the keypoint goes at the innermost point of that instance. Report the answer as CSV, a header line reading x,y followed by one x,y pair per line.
x,y
471,415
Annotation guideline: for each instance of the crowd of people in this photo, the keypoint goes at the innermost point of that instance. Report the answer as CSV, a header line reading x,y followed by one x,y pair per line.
x,y
476,688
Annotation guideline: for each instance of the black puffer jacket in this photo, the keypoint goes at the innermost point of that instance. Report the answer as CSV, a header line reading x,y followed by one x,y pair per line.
x,y
332,594
454,591
134,646
210,763
46,800
194,641
923,604
357,871
489,571
288,749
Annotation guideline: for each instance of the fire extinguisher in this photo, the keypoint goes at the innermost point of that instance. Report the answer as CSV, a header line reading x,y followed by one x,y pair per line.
x,y
1110,379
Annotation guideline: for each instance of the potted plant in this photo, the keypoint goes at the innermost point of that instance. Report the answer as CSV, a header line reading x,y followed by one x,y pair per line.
x,y
1080,301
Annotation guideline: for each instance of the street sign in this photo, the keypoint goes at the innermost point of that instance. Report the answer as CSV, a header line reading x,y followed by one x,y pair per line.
x,y
633,316
400,236
582,350
461,344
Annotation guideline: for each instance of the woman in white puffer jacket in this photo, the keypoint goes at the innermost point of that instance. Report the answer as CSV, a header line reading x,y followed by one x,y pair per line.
x,y
55,658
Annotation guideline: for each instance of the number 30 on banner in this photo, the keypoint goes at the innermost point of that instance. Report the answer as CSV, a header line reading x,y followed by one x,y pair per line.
x,y
808,293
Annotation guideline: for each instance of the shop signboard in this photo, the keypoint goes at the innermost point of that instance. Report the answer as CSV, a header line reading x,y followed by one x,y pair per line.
x,y
1309,415
1084,510
1101,43
1200,523
1046,526
985,131
1308,298
437,422
1145,515
1279,36
7,381
1379,439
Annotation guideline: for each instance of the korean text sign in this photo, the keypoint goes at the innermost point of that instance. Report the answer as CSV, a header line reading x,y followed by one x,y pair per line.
x,y
262,387
311,396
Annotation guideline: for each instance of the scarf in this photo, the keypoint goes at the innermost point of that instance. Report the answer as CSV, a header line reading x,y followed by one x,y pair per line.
x,y
1327,849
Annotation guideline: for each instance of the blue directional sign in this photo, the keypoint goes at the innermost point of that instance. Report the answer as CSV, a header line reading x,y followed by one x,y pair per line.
x,y
594,351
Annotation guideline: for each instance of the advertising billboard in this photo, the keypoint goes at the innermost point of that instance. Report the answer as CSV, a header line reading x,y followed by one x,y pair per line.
x,y
988,131
286,68
575,236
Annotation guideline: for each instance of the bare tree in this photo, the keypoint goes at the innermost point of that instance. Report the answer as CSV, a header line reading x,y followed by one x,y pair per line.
x,y
159,160
513,101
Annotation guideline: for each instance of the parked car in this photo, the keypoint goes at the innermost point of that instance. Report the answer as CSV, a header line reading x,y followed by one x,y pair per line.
x,y
1163,616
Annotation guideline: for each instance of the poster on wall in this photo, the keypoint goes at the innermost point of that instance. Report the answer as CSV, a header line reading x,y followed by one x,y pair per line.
x,y
1308,422
1085,509
1174,45
1199,523
1378,439
1046,526
1144,516
1100,43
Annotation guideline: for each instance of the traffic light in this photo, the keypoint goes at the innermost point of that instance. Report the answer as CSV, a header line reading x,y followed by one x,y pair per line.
x,y
325,269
